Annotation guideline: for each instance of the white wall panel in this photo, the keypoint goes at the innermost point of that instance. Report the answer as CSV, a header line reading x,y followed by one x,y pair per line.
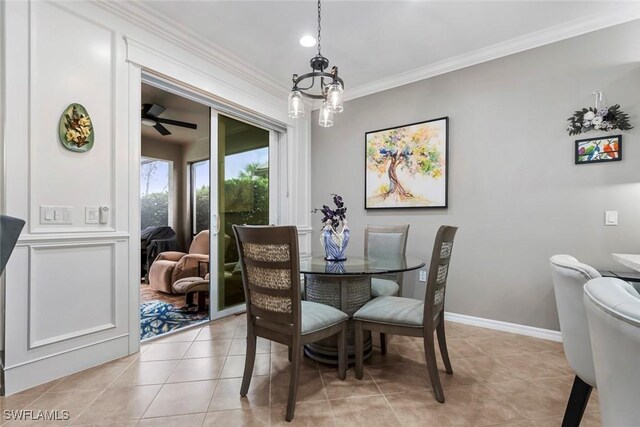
x,y
71,295
71,61
83,275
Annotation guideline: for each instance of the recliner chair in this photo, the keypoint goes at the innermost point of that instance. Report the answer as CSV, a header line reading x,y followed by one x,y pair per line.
x,y
169,267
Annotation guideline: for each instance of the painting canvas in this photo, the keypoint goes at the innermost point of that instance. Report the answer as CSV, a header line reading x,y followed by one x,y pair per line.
x,y
597,150
406,166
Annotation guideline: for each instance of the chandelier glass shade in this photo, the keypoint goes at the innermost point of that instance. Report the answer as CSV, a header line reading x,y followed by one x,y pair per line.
x,y
296,104
330,87
325,117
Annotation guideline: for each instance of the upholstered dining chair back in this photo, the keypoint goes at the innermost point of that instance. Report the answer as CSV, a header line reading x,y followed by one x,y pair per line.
x,y
200,243
10,229
613,313
569,277
271,275
438,272
386,241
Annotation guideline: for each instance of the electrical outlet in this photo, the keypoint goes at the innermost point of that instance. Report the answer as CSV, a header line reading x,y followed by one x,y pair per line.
x,y
423,276
91,215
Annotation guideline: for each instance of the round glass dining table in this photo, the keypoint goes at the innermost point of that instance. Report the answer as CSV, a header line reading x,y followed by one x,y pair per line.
x,y
346,285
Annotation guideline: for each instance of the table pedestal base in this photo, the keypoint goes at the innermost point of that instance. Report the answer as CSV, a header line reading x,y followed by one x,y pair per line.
x,y
348,294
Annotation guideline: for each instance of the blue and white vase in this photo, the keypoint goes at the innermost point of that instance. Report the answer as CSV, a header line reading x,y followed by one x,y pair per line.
x,y
335,243
335,267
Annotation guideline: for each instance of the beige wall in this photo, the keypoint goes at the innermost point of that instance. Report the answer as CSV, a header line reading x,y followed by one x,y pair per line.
x,y
514,190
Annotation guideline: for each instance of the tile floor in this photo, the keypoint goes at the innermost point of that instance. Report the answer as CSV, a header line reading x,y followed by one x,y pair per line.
x,y
192,378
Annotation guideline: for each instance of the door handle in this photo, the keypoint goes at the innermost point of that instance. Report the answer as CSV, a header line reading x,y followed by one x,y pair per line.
x,y
217,229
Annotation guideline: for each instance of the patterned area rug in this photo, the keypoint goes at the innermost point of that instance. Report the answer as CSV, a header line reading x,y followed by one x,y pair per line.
x,y
157,317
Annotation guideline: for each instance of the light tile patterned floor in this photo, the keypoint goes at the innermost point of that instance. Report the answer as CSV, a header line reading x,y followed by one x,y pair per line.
x,y
192,378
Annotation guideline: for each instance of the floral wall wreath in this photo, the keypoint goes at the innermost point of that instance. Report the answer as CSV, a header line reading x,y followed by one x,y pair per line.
x,y
598,118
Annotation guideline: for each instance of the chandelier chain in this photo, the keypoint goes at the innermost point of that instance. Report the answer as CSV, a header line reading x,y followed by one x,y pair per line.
x,y
319,27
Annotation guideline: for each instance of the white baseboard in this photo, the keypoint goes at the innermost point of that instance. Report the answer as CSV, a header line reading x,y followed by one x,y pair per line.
x,y
514,328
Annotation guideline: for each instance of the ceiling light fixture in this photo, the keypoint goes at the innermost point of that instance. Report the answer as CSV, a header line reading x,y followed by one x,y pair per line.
x,y
307,41
330,87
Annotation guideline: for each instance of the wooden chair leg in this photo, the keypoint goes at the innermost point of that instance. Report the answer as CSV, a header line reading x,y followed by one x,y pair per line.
x,y
442,342
188,299
342,352
577,403
293,382
432,366
359,338
202,302
383,343
248,363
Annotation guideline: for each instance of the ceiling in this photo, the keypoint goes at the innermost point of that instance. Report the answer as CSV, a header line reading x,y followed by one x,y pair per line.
x,y
177,108
372,41
240,135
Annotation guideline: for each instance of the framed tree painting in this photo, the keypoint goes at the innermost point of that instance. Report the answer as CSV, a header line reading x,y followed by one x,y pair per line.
x,y
406,166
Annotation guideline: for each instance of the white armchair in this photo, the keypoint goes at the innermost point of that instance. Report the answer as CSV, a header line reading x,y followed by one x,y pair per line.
x,y
613,312
569,276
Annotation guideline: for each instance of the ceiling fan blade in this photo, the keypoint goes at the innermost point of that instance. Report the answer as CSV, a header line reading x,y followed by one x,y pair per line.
x,y
178,123
163,130
152,110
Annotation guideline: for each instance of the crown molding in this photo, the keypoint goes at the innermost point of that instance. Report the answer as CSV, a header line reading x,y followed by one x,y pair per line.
x,y
148,19
615,16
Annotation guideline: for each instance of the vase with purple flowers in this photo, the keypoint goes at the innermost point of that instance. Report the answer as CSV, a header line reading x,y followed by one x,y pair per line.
x,y
335,231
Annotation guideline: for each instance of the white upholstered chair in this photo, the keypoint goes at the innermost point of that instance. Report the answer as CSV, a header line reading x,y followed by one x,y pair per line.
x,y
569,276
613,312
383,241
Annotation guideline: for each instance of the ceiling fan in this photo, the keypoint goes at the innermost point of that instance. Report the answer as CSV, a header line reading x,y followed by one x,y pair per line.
x,y
150,113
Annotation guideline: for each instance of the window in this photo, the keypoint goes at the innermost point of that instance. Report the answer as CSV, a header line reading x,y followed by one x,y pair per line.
x,y
155,192
200,196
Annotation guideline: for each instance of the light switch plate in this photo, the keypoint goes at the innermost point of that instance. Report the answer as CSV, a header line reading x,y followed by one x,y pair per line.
x,y
91,215
58,215
423,276
611,218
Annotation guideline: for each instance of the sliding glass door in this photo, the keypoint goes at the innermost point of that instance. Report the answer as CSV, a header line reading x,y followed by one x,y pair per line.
x,y
242,179
200,200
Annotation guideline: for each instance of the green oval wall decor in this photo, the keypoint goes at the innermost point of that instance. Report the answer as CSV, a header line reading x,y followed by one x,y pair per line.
x,y
76,129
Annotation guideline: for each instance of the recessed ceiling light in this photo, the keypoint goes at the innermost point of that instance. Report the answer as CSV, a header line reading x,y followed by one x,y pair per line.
x,y
307,41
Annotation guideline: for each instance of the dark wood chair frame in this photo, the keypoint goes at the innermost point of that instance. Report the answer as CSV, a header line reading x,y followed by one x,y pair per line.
x,y
404,229
283,328
430,326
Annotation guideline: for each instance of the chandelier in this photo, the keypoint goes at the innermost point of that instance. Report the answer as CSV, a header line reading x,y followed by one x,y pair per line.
x,y
329,89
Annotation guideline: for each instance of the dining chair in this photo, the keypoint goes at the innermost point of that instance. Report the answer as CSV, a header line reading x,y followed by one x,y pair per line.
x,y
10,229
569,277
613,313
411,317
271,281
382,241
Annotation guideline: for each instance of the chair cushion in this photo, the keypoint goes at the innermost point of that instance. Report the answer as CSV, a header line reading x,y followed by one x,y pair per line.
x,y
190,284
392,311
316,317
384,288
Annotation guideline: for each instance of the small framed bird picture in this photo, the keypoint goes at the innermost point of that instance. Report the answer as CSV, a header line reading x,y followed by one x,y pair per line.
x,y
598,150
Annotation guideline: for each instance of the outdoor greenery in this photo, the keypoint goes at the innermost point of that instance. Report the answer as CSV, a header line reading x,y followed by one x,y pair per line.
x,y
246,202
154,209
